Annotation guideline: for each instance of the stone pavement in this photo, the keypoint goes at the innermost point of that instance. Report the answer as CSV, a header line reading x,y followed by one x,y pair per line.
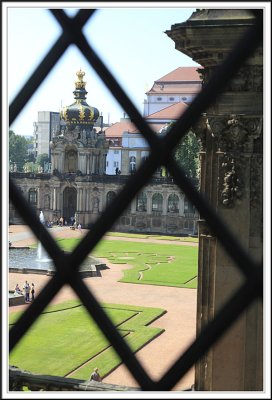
x,y
179,322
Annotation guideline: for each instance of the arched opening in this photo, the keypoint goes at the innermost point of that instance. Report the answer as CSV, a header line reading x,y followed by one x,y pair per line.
x,y
69,203
132,164
173,203
110,196
141,201
157,201
70,162
32,197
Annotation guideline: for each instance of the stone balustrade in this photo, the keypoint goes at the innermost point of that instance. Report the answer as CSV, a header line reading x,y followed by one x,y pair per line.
x,y
34,382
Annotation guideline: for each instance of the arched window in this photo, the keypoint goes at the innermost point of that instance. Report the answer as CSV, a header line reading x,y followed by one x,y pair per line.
x,y
144,156
157,202
132,164
47,201
173,204
141,201
110,197
189,208
32,196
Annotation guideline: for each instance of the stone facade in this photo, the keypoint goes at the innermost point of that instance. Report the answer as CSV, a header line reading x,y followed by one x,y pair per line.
x,y
160,207
78,185
231,179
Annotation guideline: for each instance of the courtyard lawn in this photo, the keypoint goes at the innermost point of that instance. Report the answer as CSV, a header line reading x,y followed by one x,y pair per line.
x,y
153,264
66,341
150,236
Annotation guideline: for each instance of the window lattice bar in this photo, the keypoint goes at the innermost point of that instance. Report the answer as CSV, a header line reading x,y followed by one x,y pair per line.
x,y
161,152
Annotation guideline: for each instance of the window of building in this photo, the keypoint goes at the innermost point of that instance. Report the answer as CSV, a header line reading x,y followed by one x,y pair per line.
x,y
32,196
159,98
116,164
188,207
144,155
110,196
141,201
132,164
184,98
116,151
171,98
157,201
173,203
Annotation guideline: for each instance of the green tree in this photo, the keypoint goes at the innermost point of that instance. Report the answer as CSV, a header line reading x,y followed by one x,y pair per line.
x,y
186,154
17,150
42,158
32,167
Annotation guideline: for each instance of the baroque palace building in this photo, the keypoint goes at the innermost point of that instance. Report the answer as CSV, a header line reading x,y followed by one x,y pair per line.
x,y
78,185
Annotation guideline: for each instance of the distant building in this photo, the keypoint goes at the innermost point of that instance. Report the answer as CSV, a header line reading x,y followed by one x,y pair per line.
x,y
84,178
180,85
44,130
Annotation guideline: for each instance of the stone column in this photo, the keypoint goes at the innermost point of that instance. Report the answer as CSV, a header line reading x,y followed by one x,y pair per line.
x,y
181,204
88,207
149,202
54,199
164,203
133,206
231,180
88,164
38,198
79,199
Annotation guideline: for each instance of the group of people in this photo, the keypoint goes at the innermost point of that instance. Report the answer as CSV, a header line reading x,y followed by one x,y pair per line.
x,y
63,222
27,291
57,221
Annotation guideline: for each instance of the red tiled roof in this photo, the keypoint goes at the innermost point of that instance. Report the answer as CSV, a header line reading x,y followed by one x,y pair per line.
x,y
175,89
181,74
182,79
118,128
156,126
172,112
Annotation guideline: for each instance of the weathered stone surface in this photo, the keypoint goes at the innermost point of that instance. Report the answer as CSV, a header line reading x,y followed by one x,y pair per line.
x,y
231,179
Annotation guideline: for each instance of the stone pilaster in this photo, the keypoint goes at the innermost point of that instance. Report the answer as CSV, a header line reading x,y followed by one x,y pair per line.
x,y
231,181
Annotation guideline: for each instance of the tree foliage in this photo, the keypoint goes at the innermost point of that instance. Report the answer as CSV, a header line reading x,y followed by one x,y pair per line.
x,y
32,167
186,154
42,158
17,150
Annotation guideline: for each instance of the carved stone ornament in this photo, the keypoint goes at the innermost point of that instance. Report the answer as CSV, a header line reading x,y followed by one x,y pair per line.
x,y
231,177
235,133
256,179
71,135
200,129
248,79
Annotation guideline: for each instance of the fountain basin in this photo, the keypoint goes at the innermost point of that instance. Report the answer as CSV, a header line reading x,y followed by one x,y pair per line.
x,y
15,299
24,260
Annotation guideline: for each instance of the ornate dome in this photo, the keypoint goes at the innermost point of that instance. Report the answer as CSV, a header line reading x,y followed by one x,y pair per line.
x,y
79,113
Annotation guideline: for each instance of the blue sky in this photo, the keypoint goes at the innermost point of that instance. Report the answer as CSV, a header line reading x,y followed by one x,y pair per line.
x,y
131,41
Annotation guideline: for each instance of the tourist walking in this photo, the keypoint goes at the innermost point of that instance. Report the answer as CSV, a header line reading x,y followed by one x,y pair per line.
x,y
26,288
32,292
95,376
79,227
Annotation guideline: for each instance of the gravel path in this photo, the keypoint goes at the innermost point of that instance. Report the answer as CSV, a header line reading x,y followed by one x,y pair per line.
x,y
179,322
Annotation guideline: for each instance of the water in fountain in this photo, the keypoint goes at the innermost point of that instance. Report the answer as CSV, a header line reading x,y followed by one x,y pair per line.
x,y
32,259
42,255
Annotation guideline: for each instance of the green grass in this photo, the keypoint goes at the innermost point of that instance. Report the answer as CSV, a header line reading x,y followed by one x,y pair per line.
x,y
153,264
65,337
150,236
